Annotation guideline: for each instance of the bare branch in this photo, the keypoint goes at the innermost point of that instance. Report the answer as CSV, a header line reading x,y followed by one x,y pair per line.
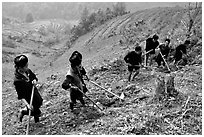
x,y
192,13
186,102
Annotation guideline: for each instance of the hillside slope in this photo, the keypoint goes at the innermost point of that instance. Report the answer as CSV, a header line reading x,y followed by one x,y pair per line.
x,y
103,56
102,44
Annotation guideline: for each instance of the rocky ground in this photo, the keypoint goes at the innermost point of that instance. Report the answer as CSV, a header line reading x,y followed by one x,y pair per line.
x,y
140,113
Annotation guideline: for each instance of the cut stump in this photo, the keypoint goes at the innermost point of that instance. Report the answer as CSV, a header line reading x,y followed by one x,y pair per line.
x,y
165,86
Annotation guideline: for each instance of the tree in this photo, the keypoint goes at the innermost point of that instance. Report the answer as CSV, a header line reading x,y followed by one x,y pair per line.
x,y
119,8
29,18
109,14
100,17
84,15
193,12
92,17
92,20
85,20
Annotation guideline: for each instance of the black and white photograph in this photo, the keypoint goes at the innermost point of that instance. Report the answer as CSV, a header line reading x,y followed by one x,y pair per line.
x,y
101,68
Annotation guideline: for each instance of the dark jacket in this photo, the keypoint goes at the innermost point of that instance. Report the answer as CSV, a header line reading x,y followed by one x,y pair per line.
x,y
24,86
72,78
133,58
150,44
179,51
164,50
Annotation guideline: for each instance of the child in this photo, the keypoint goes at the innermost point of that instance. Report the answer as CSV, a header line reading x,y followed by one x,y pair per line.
x,y
134,60
164,49
81,71
74,79
24,81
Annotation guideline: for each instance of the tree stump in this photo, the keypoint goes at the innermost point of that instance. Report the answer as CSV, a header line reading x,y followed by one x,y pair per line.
x,y
165,86
160,87
170,89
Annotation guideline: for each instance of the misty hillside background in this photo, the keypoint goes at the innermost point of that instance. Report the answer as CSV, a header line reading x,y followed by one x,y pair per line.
x,y
70,10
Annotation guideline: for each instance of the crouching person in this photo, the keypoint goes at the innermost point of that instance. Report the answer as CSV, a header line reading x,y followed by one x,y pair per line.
x,y
24,81
181,53
134,61
74,80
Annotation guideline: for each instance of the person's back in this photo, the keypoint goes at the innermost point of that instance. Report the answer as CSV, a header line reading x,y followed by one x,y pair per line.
x,y
181,50
72,78
152,43
149,42
181,53
74,74
133,58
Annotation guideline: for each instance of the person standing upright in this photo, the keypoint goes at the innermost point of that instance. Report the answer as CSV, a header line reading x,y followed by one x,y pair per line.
x,y
151,44
24,81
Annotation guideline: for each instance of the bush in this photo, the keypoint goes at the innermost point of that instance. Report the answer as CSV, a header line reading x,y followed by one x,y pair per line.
x,y
8,43
67,29
89,21
29,18
51,40
43,31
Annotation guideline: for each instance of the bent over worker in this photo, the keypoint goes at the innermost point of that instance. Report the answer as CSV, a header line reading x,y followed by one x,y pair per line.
x,y
134,60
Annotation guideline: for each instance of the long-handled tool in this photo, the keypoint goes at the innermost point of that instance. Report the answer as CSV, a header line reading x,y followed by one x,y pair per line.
x,y
147,52
31,101
90,99
120,97
165,62
142,66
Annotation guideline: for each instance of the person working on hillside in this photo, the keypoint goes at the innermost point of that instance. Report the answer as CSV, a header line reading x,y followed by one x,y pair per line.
x,y
180,53
164,49
24,81
74,80
151,45
134,60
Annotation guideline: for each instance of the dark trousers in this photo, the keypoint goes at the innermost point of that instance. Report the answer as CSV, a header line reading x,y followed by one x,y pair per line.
x,y
35,112
76,95
160,60
37,103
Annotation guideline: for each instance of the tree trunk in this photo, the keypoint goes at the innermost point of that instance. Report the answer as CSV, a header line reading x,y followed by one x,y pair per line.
x,y
160,87
165,86
170,89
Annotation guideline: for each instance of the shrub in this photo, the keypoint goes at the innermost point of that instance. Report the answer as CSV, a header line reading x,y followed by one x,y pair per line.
x,y
43,31
29,18
89,21
6,42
